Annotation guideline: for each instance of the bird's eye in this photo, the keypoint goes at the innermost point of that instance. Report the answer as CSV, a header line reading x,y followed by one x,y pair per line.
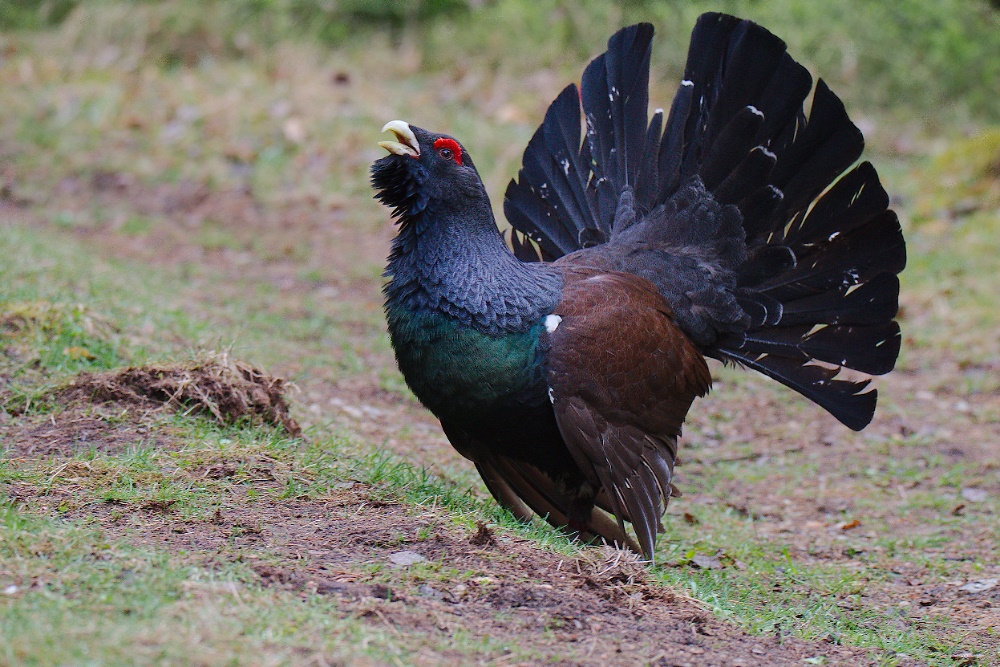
x,y
448,150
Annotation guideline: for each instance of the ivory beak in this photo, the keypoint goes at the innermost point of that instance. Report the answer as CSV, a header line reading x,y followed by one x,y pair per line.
x,y
406,143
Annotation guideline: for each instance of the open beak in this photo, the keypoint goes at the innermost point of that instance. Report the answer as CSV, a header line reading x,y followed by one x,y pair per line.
x,y
406,142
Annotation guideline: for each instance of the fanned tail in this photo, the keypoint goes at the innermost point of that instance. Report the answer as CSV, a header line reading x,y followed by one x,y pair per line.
x,y
815,269
819,282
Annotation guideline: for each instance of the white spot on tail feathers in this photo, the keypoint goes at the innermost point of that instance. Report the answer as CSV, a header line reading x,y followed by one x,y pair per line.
x,y
755,110
766,152
552,396
552,322
565,165
658,111
685,82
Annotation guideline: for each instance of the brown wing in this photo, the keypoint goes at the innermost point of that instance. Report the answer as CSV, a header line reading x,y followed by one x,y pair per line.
x,y
622,377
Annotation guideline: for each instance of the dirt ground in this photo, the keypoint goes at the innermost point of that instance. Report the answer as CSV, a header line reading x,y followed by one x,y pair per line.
x,y
598,609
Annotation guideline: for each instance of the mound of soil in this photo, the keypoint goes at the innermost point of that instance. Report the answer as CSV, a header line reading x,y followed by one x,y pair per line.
x,y
225,389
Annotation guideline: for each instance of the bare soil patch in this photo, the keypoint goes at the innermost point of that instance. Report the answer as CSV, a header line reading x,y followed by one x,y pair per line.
x,y
598,608
71,433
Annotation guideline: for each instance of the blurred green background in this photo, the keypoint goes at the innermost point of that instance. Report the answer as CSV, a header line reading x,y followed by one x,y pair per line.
x,y
933,62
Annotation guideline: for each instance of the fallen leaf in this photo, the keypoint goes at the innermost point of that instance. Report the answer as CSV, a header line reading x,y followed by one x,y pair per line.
x,y
959,510
974,495
850,525
77,352
706,562
294,130
406,558
980,585
483,536
691,519
964,659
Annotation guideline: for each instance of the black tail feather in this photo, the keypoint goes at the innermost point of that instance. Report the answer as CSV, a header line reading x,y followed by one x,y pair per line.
x,y
847,260
872,303
851,202
870,349
647,183
748,177
851,402
672,145
549,203
734,144
615,95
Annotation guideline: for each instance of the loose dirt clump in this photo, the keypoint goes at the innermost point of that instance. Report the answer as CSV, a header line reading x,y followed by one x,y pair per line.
x,y
225,389
621,576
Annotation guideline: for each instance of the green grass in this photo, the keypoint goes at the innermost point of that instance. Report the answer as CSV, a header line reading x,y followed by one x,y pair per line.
x,y
112,603
81,600
776,590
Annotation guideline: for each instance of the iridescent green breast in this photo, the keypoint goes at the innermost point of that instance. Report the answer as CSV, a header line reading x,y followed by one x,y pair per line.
x,y
461,373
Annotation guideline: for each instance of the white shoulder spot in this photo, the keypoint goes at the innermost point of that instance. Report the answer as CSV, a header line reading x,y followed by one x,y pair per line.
x,y
689,84
552,322
552,396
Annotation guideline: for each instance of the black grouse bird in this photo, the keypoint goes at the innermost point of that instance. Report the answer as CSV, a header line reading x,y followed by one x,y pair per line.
x,y
564,368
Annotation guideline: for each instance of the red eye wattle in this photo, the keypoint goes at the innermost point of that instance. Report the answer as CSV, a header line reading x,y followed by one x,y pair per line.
x,y
448,149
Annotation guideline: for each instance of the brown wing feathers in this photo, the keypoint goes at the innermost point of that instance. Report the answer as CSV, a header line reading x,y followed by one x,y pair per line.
x,y
623,376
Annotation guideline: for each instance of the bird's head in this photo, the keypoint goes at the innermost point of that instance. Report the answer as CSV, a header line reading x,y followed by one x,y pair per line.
x,y
424,171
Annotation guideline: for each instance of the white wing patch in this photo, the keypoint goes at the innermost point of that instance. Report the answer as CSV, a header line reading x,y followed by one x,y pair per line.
x,y
552,322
